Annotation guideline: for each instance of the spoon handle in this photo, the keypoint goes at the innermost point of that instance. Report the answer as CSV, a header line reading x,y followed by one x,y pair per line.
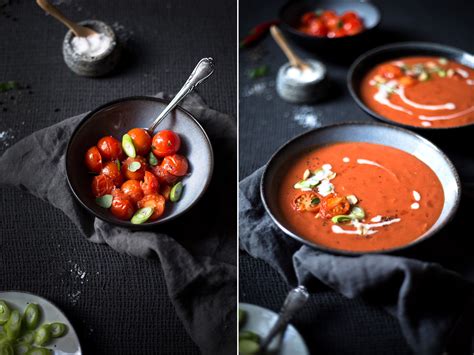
x,y
54,11
201,72
295,300
290,54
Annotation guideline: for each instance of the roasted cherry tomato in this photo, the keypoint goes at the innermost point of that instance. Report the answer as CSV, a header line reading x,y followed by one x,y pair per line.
x,y
407,81
165,191
163,176
156,201
133,190
308,17
110,148
318,28
352,26
307,202
102,185
390,71
130,163
349,15
175,164
141,140
122,207
150,184
337,33
93,160
112,171
333,205
165,143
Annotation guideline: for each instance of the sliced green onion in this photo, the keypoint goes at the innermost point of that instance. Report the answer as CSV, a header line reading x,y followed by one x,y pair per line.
x,y
142,215
341,219
242,317
248,335
118,164
315,201
42,335
443,61
39,351
22,348
134,166
176,192
4,312
423,76
57,329
248,347
8,85
104,201
152,159
27,338
32,315
128,147
442,73
6,349
13,325
352,199
357,213
258,72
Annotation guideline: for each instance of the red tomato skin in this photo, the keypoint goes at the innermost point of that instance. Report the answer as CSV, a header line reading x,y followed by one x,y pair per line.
x,y
164,177
165,143
122,208
352,27
308,17
165,191
157,202
93,160
102,185
112,171
133,190
175,164
134,175
318,28
110,148
150,184
141,140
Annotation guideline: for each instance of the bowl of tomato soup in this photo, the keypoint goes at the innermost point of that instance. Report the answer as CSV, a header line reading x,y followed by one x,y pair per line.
x,y
422,85
360,188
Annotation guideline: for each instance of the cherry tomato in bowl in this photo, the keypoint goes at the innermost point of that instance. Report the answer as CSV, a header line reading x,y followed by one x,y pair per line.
x,y
110,148
165,143
141,140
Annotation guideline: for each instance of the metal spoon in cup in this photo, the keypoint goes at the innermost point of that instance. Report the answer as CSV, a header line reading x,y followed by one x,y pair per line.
x,y
201,72
78,30
295,300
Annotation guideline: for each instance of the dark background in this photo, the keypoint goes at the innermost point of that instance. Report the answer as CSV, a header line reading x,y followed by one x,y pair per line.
x,y
330,323
120,306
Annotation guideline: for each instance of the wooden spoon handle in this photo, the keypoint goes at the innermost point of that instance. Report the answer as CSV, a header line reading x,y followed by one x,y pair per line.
x,y
54,11
281,41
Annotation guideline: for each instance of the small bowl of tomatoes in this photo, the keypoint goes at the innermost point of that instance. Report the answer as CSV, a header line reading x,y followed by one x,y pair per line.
x,y
329,24
124,175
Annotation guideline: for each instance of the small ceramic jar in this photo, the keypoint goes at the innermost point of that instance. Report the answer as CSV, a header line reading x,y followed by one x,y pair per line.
x,y
88,65
296,86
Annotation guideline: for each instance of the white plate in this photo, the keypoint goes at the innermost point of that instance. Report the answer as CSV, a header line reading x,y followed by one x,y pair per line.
x,y
66,345
260,320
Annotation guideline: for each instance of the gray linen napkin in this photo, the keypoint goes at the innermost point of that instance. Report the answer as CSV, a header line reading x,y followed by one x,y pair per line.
x,y
197,253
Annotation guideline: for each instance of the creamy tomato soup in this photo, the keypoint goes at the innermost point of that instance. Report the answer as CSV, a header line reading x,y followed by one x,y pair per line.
x,y
360,197
421,91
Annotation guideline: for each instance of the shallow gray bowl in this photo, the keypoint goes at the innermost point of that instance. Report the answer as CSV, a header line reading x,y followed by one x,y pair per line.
x,y
369,60
399,138
115,119
85,65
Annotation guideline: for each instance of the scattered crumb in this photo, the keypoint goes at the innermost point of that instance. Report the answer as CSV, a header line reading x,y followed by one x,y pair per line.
x,y
307,117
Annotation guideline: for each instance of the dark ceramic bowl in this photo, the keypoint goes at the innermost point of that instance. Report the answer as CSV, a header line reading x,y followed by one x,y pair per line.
x,y
369,60
115,119
399,138
292,11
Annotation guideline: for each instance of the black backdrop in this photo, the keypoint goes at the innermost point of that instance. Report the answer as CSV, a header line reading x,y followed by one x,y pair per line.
x,y
117,303
330,323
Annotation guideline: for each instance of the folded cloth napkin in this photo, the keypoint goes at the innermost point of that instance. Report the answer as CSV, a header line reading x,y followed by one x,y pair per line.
x,y
428,300
197,252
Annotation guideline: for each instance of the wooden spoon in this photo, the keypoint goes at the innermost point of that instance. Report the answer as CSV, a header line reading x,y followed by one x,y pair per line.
x,y
78,30
295,61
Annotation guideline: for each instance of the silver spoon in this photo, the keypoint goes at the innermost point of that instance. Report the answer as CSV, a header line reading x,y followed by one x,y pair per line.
x,y
201,72
295,300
